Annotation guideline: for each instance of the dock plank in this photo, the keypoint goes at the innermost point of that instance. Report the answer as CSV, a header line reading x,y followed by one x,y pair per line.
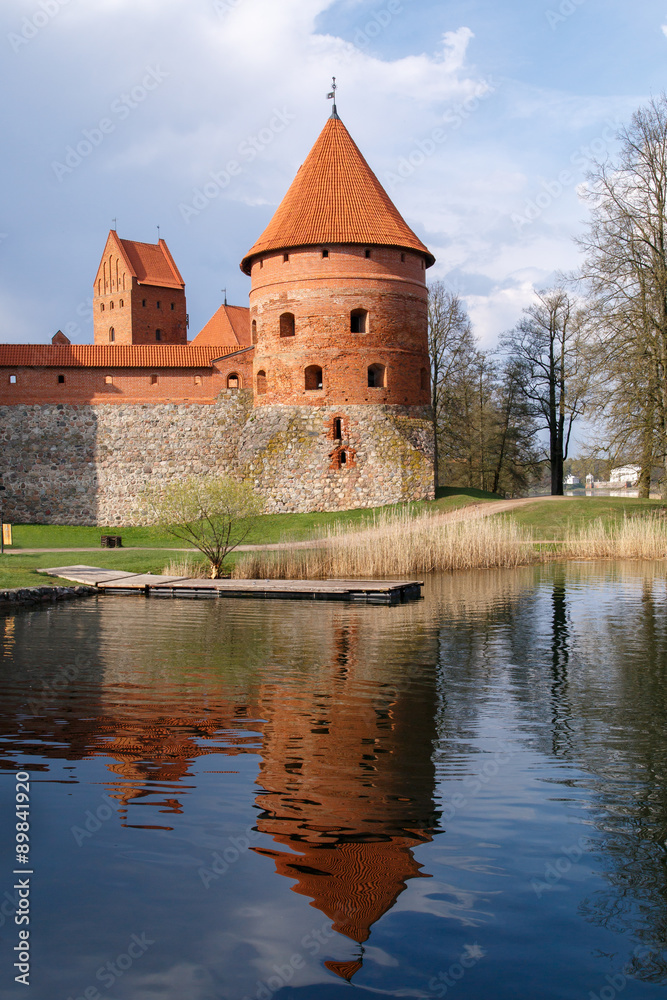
x,y
154,585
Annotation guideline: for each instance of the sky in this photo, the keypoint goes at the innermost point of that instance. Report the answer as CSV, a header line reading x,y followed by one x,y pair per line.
x,y
479,117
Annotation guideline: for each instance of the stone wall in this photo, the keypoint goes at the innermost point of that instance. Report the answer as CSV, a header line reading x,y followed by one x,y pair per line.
x,y
86,464
66,464
289,453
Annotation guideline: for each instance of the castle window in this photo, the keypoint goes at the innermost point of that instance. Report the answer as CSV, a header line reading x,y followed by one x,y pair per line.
x,y
287,325
325,253
173,306
12,379
423,381
342,458
376,375
254,331
99,286
158,334
368,255
108,379
101,306
158,304
153,379
261,264
121,304
143,302
61,379
423,265
313,377
337,429
261,383
359,321
111,305
285,258
112,335
233,381
402,258
197,379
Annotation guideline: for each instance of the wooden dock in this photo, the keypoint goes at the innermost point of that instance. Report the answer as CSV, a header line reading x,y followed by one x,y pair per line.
x,y
149,585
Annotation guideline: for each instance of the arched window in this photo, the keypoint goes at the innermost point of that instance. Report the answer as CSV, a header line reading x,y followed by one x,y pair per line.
x,y
424,380
12,379
261,383
111,305
287,325
101,307
337,429
108,379
254,331
325,253
158,334
376,377
313,377
359,321
99,286
197,379
233,381
121,304
61,379
112,335
153,379
368,255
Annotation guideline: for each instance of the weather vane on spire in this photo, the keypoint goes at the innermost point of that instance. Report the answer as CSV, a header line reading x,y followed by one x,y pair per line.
x,y
331,96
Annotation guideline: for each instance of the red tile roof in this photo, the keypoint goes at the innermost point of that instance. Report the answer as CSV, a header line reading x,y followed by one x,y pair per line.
x,y
110,355
229,326
150,263
336,198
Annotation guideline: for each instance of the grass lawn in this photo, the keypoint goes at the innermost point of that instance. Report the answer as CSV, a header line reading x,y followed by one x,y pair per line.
x,y
553,518
268,529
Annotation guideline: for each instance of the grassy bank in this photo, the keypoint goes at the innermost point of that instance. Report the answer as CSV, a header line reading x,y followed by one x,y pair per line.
x,y
390,541
558,518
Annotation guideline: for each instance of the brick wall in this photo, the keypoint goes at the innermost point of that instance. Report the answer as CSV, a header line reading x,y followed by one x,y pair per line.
x,y
136,385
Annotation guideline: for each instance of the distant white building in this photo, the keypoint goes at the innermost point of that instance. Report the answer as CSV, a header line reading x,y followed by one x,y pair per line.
x,y
573,481
625,474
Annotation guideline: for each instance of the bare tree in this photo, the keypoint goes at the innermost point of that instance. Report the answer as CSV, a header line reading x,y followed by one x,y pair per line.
x,y
626,268
452,349
544,349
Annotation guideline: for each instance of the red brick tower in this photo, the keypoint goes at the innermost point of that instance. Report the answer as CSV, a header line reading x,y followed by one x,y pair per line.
x,y
138,295
338,285
338,311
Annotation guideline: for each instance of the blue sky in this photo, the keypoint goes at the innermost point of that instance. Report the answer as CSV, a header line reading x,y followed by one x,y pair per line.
x,y
479,117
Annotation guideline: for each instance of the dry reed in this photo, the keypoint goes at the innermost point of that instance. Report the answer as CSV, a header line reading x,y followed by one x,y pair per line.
x,y
187,566
633,538
395,547
402,546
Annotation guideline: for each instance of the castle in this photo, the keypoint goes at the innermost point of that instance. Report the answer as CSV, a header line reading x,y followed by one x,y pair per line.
x,y
318,393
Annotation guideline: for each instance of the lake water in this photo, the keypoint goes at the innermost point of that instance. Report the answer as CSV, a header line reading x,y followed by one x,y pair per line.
x,y
462,797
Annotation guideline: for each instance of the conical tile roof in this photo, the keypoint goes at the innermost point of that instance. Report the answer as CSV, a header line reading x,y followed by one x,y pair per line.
x,y
336,198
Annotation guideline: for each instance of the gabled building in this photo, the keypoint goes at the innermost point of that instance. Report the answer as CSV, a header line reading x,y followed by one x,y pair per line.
x,y
138,295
